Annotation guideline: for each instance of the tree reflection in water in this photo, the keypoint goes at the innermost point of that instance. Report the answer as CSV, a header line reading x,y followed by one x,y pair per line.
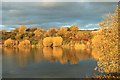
x,y
55,54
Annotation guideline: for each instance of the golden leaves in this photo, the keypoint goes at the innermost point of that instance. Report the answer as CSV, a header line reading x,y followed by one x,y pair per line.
x,y
47,41
74,28
24,43
106,42
52,41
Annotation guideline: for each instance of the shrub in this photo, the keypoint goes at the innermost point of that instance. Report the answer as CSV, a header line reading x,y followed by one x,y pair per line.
x,y
52,41
57,41
24,43
22,29
74,28
9,43
47,42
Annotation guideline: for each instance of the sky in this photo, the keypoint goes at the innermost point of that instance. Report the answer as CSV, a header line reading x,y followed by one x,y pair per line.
x,y
86,15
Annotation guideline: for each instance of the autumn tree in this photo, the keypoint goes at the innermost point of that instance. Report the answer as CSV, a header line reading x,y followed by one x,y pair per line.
x,y
52,31
83,34
61,32
74,28
5,35
38,33
24,43
19,36
9,43
47,42
57,41
106,44
22,29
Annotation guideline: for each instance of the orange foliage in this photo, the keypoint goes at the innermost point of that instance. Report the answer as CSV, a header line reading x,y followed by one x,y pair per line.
x,y
74,28
47,41
9,43
24,43
22,29
57,41
52,41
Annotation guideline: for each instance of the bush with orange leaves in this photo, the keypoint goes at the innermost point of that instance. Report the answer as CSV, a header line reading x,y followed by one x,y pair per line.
x,y
24,43
9,43
22,29
52,41
47,42
74,28
57,41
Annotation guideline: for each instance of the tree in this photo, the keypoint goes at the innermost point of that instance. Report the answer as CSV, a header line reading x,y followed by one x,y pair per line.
x,y
61,32
83,34
38,33
106,44
74,28
24,43
22,29
19,36
52,31
47,42
9,43
5,35
57,41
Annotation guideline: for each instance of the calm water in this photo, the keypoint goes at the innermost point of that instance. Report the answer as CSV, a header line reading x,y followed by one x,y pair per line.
x,y
47,63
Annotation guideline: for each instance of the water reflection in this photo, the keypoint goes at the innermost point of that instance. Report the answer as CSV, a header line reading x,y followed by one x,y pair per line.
x,y
47,53
55,54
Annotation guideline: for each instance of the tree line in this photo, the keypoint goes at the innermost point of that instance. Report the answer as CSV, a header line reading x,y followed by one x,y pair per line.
x,y
23,36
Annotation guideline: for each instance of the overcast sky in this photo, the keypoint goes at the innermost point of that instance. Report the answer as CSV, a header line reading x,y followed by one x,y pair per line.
x,y
55,14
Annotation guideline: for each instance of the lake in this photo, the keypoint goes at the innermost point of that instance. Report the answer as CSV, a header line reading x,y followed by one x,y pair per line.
x,y
47,62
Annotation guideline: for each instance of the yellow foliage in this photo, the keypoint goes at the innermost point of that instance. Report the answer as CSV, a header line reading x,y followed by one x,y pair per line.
x,y
22,29
52,31
64,29
52,41
106,42
9,43
24,43
47,42
74,28
95,54
38,32
83,34
57,41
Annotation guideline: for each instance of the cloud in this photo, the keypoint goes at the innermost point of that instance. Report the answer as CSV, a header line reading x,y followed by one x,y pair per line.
x,y
48,14
92,26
